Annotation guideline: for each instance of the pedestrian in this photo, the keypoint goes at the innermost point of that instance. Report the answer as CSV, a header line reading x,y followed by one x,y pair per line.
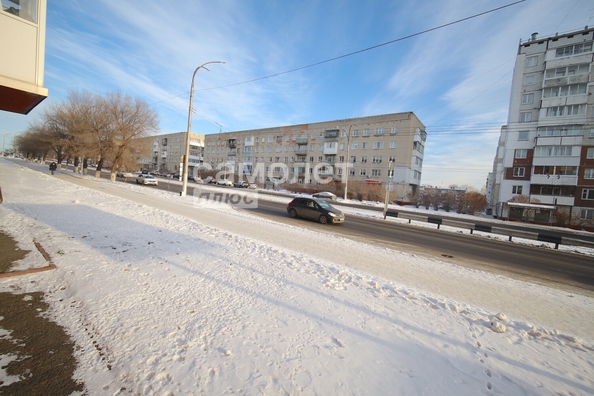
x,y
53,167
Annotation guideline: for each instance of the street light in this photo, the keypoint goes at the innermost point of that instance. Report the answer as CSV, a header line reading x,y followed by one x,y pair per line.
x,y
187,155
3,140
348,161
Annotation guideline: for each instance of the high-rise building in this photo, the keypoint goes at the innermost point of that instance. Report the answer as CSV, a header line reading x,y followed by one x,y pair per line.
x,y
546,150
362,149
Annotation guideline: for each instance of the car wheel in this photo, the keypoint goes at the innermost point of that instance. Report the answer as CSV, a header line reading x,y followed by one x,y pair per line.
x,y
323,219
293,213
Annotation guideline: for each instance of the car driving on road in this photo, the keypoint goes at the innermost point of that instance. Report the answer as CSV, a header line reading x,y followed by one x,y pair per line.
x,y
314,209
146,179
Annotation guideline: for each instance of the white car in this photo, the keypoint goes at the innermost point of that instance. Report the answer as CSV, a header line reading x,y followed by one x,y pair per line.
x,y
127,175
146,179
325,195
225,182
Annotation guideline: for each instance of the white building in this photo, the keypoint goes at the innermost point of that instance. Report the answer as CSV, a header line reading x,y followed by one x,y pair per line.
x,y
546,150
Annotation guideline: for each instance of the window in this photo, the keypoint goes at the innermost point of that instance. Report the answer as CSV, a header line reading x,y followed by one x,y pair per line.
x,y
552,151
571,130
354,146
523,135
356,132
393,159
364,159
378,145
320,158
517,190
525,117
393,145
521,153
365,132
365,145
531,61
379,131
363,172
587,214
377,159
574,49
530,80
589,173
519,172
590,153
528,98
582,68
378,172
353,159
26,9
394,130
588,194
342,146
351,172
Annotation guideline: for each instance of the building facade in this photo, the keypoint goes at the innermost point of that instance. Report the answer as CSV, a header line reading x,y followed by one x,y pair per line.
x,y
546,150
22,28
166,152
356,149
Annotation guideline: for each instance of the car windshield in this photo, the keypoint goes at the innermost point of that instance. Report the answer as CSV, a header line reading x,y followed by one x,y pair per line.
x,y
149,177
325,205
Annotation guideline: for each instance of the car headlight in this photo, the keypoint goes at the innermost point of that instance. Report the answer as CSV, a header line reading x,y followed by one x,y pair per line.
x,y
332,214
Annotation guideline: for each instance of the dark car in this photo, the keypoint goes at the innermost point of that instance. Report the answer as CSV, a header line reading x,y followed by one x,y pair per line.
x,y
241,184
315,209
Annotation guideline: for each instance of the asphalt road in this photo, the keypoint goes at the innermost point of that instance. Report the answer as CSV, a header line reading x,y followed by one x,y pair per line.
x,y
541,265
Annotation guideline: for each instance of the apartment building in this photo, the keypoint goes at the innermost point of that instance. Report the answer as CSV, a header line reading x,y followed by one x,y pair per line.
x,y
546,150
356,149
166,152
22,28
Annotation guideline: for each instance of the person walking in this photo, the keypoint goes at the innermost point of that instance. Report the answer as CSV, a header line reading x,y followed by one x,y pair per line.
x,y
53,167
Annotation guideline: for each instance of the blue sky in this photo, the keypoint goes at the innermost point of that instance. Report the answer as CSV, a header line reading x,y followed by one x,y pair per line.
x,y
456,79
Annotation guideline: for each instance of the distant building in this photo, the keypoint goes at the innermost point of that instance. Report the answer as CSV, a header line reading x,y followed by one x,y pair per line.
x,y
22,28
166,151
306,153
546,150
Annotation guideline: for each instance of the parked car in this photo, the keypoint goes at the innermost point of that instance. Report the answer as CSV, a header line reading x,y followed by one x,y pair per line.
x,y
325,195
241,184
212,181
125,174
225,182
314,209
146,179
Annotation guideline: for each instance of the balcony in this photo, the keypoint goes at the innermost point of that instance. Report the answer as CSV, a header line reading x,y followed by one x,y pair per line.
x,y
550,200
301,140
301,152
554,180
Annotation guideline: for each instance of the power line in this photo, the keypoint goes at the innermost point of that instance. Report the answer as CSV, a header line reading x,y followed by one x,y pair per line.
x,y
365,49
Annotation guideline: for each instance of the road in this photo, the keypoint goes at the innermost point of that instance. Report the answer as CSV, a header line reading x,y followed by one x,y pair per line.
x,y
572,272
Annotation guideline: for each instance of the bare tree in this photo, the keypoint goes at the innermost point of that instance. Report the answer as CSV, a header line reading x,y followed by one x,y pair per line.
x,y
130,118
474,202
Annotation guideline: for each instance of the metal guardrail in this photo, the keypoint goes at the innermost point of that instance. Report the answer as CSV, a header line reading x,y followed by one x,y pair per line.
x,y
536,235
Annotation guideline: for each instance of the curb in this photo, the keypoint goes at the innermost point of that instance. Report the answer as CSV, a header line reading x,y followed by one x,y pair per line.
x,y
47,258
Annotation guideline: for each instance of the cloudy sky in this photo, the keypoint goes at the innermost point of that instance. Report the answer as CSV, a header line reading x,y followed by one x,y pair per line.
x,y
287,63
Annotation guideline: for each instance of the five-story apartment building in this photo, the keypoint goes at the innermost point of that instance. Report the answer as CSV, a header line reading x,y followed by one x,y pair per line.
x,y
361,149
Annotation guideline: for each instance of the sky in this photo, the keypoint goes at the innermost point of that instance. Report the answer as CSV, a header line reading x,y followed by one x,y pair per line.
x,y
286,64
214,300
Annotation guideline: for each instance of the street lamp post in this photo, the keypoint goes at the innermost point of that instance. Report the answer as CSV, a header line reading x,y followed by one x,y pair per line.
x,y
4,140
348,161
187,155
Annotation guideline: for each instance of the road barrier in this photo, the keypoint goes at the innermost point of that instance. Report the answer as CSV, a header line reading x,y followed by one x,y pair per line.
x,y
511,233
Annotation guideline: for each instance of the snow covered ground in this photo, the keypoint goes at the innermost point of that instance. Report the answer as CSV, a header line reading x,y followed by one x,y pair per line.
x,y
163,297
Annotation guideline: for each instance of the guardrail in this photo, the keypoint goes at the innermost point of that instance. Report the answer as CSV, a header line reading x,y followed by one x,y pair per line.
x,y
511,233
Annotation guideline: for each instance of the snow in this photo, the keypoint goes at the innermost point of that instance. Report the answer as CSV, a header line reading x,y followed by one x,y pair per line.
x,y
165,297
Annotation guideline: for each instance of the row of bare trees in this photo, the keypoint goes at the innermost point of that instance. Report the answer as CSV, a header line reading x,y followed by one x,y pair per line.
x,y
460,201
87,126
